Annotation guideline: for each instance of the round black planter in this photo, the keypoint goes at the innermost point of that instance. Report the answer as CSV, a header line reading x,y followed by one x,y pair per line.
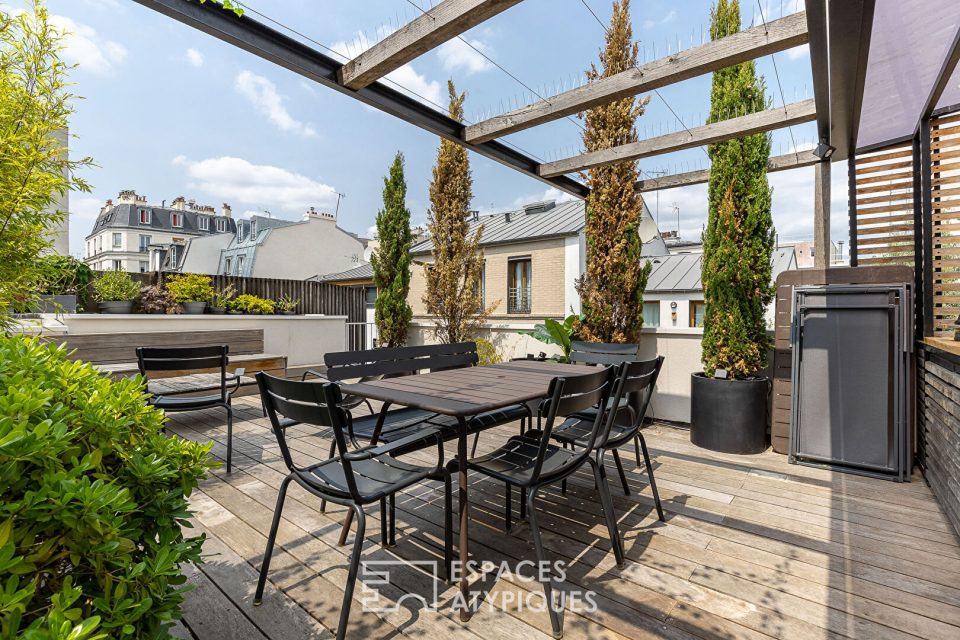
x,y
115,306
728,415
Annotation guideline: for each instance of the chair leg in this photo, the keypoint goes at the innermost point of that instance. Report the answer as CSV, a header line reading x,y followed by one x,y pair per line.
x,y
476,439
606,502
556,613
508,506
323,503
448,523
229,437
271,539
352,575
653,483
523,503
384,524
347,521
623,476
636,447
392,504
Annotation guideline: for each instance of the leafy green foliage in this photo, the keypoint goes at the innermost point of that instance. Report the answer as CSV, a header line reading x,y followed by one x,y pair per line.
x,y
66,275
115,286
94,498
558,333
35,170
739,238
221,299
190,287
229,6
251,304
391,260
454,295
487,352
287,303
611,289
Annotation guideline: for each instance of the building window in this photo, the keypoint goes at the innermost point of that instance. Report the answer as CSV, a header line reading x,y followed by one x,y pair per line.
x,y
239,265
519,284
177,219
118,265
483,286
145,243
253,229
144,216
697,308
227,263
651,314
144,265
204,223
117,240
371,296
221,225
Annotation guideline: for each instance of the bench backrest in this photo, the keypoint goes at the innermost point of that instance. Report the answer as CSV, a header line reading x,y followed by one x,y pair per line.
x,y
602,352
115,348
399,361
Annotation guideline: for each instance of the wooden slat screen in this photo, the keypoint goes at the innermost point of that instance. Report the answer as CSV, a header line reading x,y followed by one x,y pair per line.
x,y
945,221
884,207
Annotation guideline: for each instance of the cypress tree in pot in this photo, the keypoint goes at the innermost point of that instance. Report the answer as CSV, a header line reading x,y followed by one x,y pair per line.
x,y
729,398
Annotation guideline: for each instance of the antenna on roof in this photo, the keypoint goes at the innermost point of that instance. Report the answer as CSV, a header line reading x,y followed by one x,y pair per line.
x,y
339,196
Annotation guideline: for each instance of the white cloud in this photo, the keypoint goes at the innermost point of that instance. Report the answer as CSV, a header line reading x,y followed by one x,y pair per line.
x,y
456,55
83,46
417,85
263,94
670,17
239,181
551,193
194,57
796,53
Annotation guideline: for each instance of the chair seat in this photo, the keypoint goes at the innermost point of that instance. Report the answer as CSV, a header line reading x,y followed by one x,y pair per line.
x,y
486,420
576,431
375,477
514,461
186,403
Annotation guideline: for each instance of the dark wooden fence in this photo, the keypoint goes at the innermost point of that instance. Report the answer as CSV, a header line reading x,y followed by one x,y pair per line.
x,y
315,297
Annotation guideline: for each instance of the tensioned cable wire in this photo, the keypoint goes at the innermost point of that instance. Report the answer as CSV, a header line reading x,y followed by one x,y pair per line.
x,y
499,66
442,108
776,74
657,92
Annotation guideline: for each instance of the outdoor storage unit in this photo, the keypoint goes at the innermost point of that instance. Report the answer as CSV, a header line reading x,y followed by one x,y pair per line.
x,y
852,347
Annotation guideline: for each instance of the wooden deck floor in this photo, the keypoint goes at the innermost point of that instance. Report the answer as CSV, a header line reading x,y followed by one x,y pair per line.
x,y
752,548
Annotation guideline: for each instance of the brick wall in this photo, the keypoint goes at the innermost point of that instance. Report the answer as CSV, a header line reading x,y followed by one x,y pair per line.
x,y
548,282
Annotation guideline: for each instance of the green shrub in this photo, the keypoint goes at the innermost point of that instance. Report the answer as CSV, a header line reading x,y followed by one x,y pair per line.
x,y
94,498
115,286
190,287
156,299
286,303
251,304
221,299
487,353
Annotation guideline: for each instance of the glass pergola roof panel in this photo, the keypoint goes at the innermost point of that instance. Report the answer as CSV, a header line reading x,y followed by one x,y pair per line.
x,y
909,41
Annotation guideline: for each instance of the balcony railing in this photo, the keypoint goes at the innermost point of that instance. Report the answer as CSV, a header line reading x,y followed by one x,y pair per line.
x,y
518,299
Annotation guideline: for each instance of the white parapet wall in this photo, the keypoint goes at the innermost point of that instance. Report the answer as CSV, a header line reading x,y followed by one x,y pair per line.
x,y
680,347
303,339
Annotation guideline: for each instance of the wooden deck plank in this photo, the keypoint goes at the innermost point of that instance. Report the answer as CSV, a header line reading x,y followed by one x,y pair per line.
x,y
753,547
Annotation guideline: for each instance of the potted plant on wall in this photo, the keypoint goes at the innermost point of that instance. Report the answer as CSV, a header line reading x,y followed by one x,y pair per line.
x,y
729,398
192,290
287,305
221,299
155,299
115,292
252,305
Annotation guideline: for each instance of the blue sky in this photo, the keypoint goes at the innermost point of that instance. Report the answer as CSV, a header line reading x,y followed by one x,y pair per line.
x,y
169,111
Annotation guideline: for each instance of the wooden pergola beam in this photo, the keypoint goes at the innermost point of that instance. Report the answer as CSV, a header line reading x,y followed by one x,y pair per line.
x,y
759,122
755,42
443,22
776,163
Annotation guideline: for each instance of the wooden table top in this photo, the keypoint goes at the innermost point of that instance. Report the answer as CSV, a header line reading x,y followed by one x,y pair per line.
x,y
471,390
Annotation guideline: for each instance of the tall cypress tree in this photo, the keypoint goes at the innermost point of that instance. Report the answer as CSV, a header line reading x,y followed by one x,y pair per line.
x,y
739,238
611,290
454,295
391,261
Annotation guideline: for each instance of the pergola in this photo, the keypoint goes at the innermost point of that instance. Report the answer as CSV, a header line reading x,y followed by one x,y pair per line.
x,y
883,73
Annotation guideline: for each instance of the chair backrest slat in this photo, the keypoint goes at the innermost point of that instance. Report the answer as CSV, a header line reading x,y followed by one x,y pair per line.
x,y
399,361
185,359
602,352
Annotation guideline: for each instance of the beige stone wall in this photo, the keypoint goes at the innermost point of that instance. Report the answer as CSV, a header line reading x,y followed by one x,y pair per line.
x,y
548,293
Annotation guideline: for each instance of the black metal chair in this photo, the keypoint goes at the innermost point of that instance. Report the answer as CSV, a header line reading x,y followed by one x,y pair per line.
x,y
530,463
354,478
193,359
637,379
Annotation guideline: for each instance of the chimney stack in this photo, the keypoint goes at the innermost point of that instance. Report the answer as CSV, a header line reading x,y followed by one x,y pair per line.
x,y
179,203
226,211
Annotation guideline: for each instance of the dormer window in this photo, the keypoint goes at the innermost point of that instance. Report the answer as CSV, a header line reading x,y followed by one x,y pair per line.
x,y
144,216
204,223
177,219
221,225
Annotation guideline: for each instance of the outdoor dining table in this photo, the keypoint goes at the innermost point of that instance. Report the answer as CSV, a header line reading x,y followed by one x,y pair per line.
x,y
462,394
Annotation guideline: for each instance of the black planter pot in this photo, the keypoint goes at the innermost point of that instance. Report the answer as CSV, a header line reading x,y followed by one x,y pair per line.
x,y
728,415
